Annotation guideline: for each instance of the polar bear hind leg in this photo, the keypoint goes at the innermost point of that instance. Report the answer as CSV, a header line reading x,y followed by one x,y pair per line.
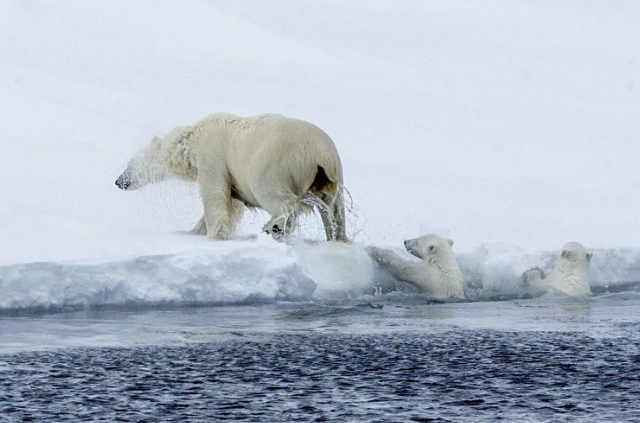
x,y
332,215
339,220
285,211
330,205
287,203
332,212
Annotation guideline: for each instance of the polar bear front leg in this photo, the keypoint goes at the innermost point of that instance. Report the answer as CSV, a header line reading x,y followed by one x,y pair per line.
x,y
399,268
218,209
236,216
200,228
535,282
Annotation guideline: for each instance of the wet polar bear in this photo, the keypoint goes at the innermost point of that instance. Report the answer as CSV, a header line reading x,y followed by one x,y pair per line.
x,y
438,274
570,274
282,165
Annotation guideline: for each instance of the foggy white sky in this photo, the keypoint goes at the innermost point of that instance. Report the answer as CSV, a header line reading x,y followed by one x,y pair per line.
x,y
492,122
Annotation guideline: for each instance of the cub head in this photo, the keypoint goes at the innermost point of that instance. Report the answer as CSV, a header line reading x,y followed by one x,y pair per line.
x,y
427,246
574,251
143,168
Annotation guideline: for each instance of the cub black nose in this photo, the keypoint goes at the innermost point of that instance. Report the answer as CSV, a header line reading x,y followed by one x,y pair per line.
x,y
406,243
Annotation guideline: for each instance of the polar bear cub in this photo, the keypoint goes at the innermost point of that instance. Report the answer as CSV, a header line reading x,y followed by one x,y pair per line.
x,y
437,274
570,274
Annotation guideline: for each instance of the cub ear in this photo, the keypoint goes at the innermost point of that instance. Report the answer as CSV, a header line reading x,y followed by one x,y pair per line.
x,y
450,241
589,256
565,253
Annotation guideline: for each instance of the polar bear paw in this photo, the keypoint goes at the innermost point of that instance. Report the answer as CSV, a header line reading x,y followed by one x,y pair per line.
x,y
532,275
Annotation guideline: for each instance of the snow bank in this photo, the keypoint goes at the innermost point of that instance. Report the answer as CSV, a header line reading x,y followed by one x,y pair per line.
x,y
224,273
499,268
259,271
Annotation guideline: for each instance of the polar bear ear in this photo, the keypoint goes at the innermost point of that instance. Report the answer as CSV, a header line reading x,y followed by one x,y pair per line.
x,y
589,256
565,253
450,242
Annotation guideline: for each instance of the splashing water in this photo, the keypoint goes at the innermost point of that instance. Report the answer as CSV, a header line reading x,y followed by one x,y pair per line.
x,y
310,225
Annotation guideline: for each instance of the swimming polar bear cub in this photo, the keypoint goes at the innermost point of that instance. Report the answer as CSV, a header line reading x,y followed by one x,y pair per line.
x,y
438,273
570,274
282,165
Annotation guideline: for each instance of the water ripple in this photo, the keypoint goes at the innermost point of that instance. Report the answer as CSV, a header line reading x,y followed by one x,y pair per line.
x,y
455,376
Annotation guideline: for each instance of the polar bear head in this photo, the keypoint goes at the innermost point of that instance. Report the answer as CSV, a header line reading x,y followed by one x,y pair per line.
x,y
429,246
439,272
575,252
144,168
170,156
571,273
574,257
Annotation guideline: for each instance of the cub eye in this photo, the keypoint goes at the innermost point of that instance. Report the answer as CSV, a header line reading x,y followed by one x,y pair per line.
x,y
432,247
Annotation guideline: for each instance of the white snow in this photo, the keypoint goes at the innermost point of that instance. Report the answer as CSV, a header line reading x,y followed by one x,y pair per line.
x,y
261,271
223,273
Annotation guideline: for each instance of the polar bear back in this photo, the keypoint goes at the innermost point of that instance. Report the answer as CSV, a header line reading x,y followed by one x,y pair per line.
x,y
267,150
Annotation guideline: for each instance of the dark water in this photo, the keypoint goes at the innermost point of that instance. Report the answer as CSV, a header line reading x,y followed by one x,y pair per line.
x,y
457,375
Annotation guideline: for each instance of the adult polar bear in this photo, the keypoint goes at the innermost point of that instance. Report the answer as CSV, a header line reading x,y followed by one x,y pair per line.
x,y
272,162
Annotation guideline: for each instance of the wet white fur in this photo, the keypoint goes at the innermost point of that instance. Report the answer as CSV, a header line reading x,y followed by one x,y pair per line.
x,y
437,273
270,161
570,274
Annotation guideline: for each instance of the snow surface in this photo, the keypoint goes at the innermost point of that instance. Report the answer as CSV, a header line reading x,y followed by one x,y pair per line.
x,y
260,271
492,122
250,272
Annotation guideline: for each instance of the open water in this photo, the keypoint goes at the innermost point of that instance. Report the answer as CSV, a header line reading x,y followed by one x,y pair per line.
x,y
394,357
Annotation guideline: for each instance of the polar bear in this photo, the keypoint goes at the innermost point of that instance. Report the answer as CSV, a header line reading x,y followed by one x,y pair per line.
x,y
438,273
570,274
282,165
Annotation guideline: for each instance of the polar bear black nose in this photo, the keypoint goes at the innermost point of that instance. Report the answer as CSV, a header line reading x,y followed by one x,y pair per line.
x,y
406,243
123,183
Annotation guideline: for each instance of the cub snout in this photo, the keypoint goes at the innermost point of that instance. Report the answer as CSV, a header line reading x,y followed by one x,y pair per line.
x,y
410,246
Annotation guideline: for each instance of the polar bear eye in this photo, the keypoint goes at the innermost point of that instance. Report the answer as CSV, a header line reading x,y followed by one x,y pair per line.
x,y
432,247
